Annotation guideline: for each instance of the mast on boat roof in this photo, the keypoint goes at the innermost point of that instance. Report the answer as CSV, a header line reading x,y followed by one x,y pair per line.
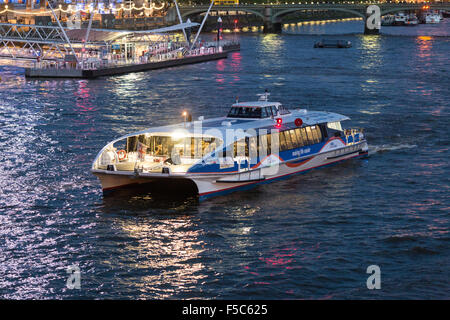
x,y
264,96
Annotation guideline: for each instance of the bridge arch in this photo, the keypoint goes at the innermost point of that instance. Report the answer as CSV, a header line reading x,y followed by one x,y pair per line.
x,y
202,10
280,14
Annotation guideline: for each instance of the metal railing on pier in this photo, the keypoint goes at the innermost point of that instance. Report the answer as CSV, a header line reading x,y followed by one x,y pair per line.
x,y
94,63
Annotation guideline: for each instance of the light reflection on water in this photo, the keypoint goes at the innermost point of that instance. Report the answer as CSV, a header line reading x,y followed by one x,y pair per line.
x,y
170,253
311,236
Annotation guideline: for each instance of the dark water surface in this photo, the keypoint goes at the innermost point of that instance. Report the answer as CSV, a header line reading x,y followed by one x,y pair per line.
x,y
311,236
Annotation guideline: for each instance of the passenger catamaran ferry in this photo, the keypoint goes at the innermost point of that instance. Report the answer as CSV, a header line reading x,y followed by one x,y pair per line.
x,y
257,142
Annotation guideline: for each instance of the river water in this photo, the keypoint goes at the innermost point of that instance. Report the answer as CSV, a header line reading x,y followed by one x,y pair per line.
x,y
309,237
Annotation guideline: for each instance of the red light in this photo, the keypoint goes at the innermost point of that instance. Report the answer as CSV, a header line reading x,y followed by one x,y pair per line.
x,y
279,122
235,21
298,122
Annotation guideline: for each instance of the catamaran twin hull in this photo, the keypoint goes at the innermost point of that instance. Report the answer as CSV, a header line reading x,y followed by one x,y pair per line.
x,y
206,184
275,143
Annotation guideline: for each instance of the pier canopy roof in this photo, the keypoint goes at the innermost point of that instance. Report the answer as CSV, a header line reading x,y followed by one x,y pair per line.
x,y
110,35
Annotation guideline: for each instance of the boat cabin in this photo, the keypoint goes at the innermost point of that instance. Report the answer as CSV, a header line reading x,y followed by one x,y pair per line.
x,y
263,108
257,110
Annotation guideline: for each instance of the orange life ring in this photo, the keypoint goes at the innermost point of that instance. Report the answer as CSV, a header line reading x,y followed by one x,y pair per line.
x,y
122,154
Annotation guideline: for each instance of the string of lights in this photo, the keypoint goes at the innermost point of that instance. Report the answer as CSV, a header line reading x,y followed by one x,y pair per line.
x,y
72,10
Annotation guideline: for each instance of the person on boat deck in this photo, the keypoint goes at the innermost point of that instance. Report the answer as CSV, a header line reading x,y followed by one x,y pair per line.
x,y
158,150
176,156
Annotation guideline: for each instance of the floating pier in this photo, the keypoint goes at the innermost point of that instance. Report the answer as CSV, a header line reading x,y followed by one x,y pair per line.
x,y
73,52
55,72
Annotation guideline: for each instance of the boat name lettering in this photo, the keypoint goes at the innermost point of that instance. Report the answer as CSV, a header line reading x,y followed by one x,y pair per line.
x,y
301,152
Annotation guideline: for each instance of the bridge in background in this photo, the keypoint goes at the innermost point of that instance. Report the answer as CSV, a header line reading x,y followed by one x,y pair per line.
x,y
272,15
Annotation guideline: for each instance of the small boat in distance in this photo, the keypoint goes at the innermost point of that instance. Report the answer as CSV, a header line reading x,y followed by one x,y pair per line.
x,y
388,20
411,20
430,17
400,19
326,43
257,142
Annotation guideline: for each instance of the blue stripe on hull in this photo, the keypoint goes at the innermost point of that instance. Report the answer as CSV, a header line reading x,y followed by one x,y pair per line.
x,y
249,186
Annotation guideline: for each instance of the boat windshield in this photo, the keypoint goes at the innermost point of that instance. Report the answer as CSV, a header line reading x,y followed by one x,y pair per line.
x,y
254,112
245,112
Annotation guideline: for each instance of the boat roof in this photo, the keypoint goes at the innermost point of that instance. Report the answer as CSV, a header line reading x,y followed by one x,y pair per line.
x,y
256,104
243,127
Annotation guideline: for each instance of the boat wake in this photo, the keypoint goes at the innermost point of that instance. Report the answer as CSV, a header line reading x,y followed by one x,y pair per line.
x,y
390,147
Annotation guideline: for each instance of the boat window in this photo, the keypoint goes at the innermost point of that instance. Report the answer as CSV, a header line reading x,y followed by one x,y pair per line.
x,y
264,112
131,144
253,148
269,111
263,143
314,134
319,133
288,140
208,145
233,112
300,142
244,112
240,148
293,139
305,137
310,136
283,145
335,125
165,146
274,110
269,143
323,131
161,146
